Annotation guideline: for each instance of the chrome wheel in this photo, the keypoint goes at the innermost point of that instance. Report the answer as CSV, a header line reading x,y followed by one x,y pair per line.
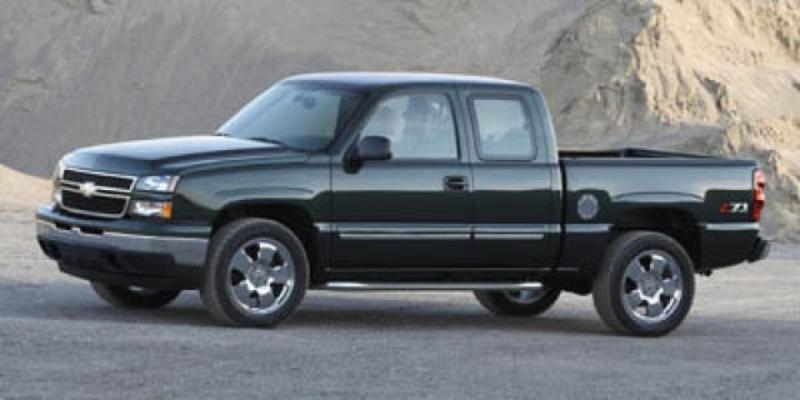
x,y
525,296
261,276
652,286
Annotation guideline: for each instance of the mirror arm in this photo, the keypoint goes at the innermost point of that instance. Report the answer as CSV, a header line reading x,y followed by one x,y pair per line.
x,y
352,162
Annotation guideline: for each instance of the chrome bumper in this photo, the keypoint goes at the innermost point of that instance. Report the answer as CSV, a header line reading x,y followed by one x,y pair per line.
x,y
184,251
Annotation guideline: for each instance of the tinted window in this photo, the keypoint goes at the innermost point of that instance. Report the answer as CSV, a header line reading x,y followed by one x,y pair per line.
x,y
299,116
418,125
504,129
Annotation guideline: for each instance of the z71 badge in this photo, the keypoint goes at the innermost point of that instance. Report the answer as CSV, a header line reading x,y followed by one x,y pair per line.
x,y
730,207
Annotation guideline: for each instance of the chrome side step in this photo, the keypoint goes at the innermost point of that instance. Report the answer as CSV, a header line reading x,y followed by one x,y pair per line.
x,y
429,286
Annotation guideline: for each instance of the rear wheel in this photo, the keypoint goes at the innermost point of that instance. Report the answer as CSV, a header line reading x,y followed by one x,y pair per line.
x,y
518,303
134,297
257,273
645,286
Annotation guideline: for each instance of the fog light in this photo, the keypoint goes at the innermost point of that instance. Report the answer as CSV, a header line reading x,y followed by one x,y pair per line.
x,y
149,208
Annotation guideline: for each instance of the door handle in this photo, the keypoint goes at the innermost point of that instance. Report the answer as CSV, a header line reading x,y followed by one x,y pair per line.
x,y
456,183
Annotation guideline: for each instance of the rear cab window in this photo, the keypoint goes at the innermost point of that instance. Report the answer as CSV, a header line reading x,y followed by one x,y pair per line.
x,y
503,127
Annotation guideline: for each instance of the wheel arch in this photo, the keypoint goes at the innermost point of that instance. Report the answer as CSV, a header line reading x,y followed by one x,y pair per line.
x,y
295,217
679,224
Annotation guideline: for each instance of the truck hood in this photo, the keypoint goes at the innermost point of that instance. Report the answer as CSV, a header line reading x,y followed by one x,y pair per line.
x,y
176,155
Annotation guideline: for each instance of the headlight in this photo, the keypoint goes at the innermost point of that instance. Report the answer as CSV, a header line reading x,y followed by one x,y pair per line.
x,y
150,208
158,183
58,173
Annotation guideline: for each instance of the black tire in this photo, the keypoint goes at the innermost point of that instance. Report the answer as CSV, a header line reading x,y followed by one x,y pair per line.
x,y
126,297
503,303
612,283
220,302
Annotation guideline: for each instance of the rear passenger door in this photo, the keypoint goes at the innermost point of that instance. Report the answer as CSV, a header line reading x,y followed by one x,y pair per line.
x,y
516,222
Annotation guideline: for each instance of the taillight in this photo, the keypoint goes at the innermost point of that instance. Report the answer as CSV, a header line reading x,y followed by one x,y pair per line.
x,y
759,194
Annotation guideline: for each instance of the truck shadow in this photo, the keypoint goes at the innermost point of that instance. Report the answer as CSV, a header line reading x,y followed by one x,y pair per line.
x,y
340,311
414,313
398,320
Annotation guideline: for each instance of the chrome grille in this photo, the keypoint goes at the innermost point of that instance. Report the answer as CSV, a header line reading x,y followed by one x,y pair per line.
x,y
102,180
93,193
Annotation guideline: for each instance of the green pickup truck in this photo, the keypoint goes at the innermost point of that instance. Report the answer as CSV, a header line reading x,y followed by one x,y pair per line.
x,y
379,181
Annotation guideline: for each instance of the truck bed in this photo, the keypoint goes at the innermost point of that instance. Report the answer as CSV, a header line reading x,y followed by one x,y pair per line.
x,y
631,186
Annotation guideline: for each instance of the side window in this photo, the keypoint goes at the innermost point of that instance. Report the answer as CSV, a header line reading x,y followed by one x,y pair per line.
x,y
420,126
504,128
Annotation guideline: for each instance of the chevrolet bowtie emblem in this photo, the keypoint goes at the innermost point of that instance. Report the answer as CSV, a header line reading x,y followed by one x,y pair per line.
x,y
87,189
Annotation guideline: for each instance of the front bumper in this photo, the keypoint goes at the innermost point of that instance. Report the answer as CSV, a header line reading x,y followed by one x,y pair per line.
x,y
121,258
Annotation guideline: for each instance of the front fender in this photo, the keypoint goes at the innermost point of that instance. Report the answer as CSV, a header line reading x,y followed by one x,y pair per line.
x,y
201,196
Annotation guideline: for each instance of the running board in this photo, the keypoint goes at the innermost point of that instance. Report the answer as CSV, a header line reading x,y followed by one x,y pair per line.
x,y
429,286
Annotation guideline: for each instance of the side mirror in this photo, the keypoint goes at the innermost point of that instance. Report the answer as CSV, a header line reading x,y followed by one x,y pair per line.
x,y
374,148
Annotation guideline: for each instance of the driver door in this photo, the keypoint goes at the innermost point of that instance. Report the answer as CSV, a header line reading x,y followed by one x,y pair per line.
x,y
414,210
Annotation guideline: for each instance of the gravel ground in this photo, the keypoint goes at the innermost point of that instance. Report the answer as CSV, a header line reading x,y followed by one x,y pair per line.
x,y
58,341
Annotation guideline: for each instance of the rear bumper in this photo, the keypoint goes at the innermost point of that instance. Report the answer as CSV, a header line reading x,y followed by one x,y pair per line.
x,y
128,259
727,244
760,250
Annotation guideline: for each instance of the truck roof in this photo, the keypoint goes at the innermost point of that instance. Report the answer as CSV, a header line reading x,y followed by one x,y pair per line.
x,y
371,80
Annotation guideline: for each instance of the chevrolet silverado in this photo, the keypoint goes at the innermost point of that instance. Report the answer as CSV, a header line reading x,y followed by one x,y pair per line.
x,y
384,181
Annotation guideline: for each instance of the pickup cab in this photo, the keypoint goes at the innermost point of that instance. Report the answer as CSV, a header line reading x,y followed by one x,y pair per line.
x,y
379,181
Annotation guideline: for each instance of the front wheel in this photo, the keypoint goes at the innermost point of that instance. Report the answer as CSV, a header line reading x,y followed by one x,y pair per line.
x,y
134,297
257,273
645,285
518,303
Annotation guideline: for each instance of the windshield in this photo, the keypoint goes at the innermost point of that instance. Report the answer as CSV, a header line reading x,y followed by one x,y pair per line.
x,y
295,115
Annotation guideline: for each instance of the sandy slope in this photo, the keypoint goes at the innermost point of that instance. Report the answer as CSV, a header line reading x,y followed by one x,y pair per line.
x,y
21,191
20,259
79,72
632,68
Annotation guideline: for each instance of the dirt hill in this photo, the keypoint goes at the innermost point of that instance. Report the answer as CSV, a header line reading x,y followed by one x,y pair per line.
x,y
79,72
709,76
21,192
